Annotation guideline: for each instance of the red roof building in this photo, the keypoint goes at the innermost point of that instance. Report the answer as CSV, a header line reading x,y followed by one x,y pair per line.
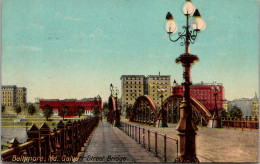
x,y
73,105
204,93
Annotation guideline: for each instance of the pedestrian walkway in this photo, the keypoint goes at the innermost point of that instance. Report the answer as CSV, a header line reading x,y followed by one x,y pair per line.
x,y
110,144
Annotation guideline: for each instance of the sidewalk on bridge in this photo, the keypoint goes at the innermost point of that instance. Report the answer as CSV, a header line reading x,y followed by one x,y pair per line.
x,y
110,144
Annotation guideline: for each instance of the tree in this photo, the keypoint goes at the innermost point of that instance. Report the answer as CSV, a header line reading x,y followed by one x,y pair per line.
x,y
224,113
96,111
105,109
18,109
236,112
129,110
47,112
2,108
31,109
81,111
64,112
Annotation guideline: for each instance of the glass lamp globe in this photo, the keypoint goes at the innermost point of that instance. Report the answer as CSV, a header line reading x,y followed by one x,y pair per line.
x,y
198,23
188,8
171,26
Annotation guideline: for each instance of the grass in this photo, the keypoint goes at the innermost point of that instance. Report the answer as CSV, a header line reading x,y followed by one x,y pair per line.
x,y
34,119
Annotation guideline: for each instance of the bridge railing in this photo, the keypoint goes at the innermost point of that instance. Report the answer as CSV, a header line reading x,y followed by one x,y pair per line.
x,y
164,147
63,144
243,123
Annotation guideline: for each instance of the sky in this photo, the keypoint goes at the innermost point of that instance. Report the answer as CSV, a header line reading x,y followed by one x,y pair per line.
x,y
77,48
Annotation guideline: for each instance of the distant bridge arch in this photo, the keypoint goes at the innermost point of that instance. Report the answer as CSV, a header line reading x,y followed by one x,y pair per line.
x,y
144,111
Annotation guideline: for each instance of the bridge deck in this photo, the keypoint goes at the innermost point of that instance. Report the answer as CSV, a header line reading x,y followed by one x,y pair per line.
x,y
109,144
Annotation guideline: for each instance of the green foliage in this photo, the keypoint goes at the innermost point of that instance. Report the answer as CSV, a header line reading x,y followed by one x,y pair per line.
x,y
81,111
18,109
2,108
96,111
64,112
129,110
105,109
31,109
48,112
236,112
224,113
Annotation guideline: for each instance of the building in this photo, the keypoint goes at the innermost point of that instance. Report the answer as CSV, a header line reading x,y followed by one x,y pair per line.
x,y
134,86
73,105
14,96
204,93
249,107
255,107
21,96
157,85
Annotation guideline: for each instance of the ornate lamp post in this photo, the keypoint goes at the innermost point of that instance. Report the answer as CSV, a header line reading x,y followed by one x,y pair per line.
x,y
187,128
117,110
164,112
111,89
215,121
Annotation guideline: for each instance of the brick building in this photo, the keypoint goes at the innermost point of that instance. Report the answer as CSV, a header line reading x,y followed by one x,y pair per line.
x,y
204,94
73,105
13,96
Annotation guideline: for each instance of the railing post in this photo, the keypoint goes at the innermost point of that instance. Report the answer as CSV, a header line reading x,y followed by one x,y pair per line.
x,y
46,132
139,135
34,134
149,140
144,137
156,153
242,123
165,149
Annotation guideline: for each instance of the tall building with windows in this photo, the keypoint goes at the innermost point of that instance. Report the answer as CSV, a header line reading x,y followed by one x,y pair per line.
x,y
9,96
14,96
134,86
21,96
157,85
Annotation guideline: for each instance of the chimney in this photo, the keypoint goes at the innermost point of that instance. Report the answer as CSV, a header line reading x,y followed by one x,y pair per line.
x,y
159,73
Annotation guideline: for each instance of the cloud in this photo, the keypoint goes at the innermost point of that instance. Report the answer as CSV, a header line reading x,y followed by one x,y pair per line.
x,y
72,19
76,50
32,25
99,51
57,14
22,48
37,25
97,33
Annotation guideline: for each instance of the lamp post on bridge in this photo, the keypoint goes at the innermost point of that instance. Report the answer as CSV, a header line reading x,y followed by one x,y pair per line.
x,y
215,121
117,110
187,128
164,112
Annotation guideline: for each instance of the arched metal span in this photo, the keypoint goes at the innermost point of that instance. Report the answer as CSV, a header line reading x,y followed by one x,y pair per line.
x,y
173,104
144,111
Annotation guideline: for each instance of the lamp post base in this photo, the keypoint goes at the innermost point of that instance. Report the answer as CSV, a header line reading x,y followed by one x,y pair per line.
x,y
214,123
187,159
117,124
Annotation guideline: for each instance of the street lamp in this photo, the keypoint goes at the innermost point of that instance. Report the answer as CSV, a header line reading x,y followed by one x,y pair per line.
x,y
164,112
117,110
215,90
111,89
215,121
187,128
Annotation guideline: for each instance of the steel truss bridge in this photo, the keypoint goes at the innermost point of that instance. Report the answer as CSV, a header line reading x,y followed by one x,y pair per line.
x,y
145,111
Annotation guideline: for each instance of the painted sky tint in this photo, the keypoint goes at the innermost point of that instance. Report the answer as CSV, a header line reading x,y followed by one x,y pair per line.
x,y
76,48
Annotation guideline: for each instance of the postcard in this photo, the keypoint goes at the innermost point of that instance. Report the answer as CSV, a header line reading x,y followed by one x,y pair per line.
x,y
132,81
